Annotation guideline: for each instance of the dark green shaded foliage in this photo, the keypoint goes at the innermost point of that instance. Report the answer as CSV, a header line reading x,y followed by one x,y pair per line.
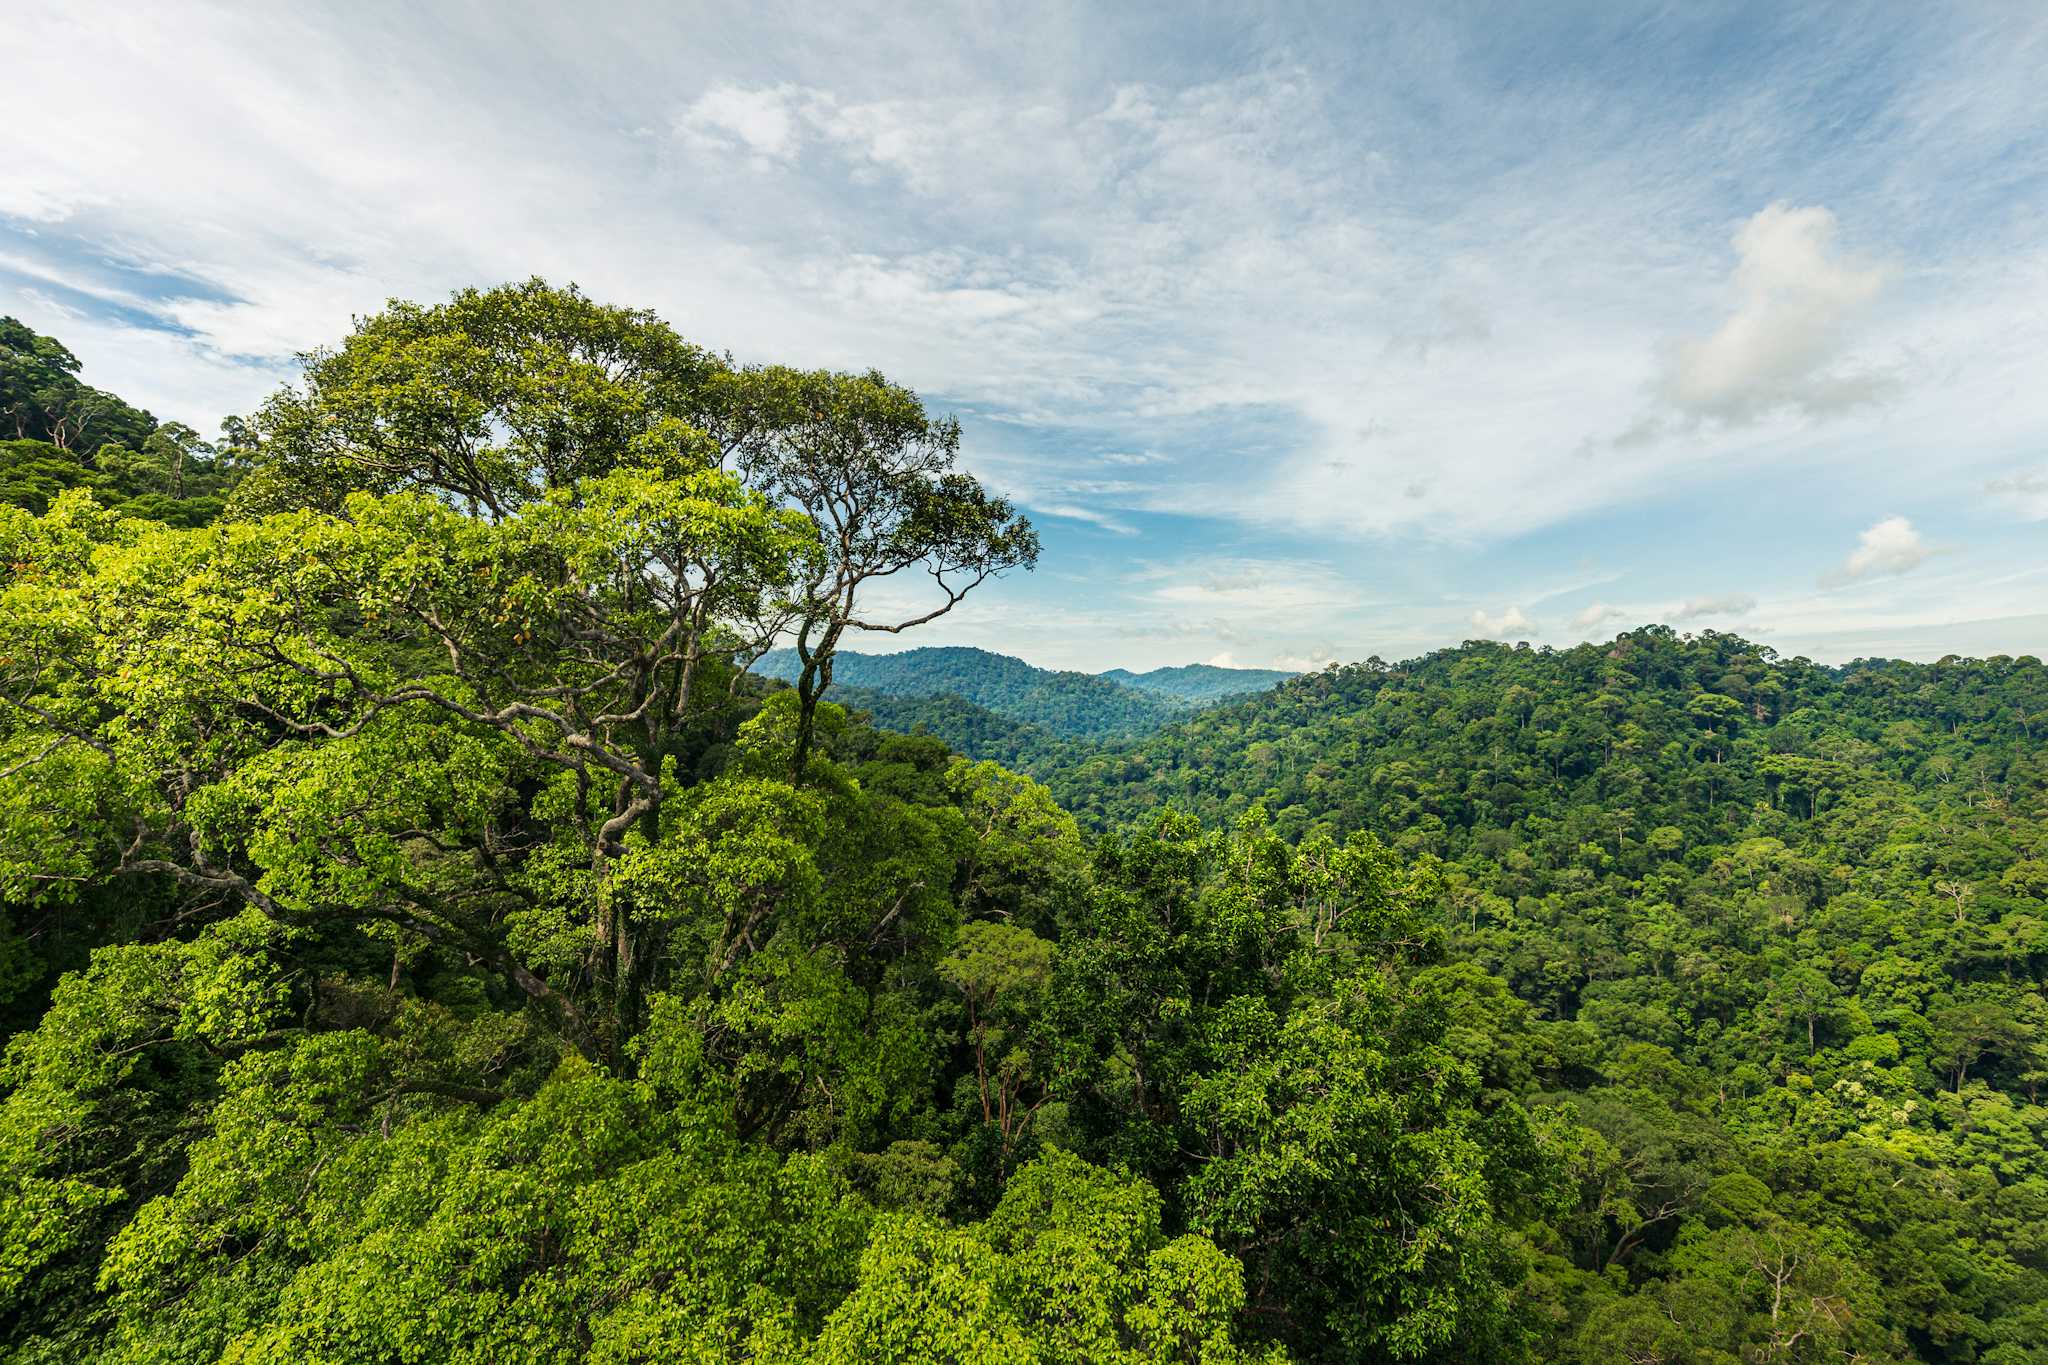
x,y
42,398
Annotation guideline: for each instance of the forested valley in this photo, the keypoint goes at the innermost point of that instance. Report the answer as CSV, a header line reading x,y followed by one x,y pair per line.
x,y
435,927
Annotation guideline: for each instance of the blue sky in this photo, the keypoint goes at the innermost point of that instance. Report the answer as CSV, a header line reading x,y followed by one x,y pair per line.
x,y
1348,330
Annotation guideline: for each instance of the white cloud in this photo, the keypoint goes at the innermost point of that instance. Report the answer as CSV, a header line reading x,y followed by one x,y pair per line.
x,y
1508,622
161,372
1306,320
1797,300
1296,662
2028,493
768,123
1599,613
1074,511
1118,259
1248,591
1891,546
1726,604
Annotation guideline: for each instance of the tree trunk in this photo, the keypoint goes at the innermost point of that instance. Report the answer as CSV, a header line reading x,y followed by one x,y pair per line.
x,y
811,685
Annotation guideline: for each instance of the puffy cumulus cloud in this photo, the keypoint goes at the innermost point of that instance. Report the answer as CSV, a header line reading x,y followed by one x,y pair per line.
x,y
1727,604
1291,662
1299,662
1797,301
1509,622
769,123
1892,546
1598,614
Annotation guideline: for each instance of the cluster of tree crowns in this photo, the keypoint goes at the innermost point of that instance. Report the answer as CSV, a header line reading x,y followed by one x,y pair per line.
x,y
424,938
58,433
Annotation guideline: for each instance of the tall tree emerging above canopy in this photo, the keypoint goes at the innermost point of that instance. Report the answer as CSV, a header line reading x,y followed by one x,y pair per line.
x,y
499,397
496,573
489,400
878,476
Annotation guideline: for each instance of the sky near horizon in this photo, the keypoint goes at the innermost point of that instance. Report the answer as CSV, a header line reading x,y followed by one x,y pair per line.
x,y
1345,330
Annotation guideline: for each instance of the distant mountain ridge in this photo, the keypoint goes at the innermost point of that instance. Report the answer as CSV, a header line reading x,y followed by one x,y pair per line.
x,y
1201,684
1684,731
1060,704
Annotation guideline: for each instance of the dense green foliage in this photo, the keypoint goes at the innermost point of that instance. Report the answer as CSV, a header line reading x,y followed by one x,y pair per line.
x,y
1781,929
425,939
974,731
42,398
174,478
57,433
995,707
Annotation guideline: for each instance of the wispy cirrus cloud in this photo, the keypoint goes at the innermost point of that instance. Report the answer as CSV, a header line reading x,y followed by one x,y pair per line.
x,y
2026,493
1196,288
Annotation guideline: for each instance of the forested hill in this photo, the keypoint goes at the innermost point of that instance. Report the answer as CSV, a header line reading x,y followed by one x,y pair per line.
x,y
1800,913
1200,684
1073,705
1686,731
1033,719
58,432
1052,703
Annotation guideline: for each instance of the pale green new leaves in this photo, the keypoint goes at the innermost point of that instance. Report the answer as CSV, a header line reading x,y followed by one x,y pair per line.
x,y
317,693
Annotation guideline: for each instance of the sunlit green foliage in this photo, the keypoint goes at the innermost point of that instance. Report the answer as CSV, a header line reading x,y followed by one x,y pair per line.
x,y
426,941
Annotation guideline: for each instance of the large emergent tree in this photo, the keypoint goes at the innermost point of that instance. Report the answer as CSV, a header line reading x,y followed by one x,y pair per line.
x,y
498,397
492,543
876,474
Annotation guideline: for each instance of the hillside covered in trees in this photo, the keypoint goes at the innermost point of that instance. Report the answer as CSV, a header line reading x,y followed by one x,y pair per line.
x,y
1810,899
991,706
59,433
1061,703
1200,684
430,934
969,730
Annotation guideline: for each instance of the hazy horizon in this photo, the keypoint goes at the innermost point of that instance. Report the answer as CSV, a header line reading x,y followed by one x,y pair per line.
x,y
891,644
